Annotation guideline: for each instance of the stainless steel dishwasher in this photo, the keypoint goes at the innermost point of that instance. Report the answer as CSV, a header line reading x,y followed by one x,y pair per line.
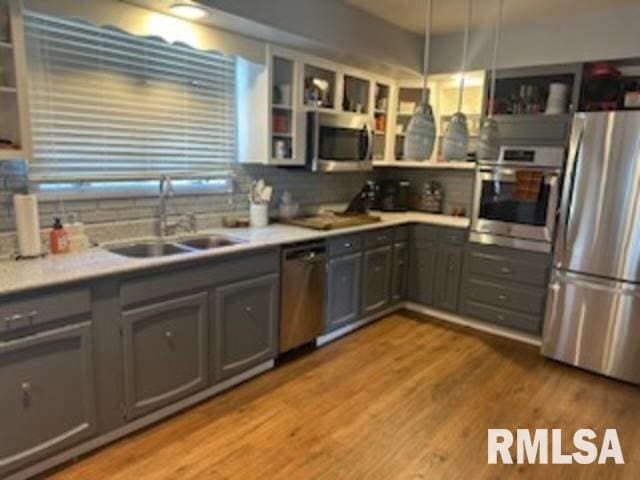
x,y
304,272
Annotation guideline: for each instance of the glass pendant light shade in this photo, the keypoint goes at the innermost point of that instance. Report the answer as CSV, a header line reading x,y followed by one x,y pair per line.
x,y
455,144
421,134
489,141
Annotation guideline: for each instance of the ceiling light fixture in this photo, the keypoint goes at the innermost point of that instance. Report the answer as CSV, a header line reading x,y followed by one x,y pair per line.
x,y
455,144
421,131
489,141
189,11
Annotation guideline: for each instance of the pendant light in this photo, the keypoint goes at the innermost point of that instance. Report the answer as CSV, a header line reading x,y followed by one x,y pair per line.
x,y
421,131
455,144
489,142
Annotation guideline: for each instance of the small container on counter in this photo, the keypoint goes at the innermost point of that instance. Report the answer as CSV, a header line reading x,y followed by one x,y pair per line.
x,y
59,238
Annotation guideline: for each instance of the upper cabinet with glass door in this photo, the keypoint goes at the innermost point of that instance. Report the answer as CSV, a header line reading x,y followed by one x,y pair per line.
x,y
14,123
297,84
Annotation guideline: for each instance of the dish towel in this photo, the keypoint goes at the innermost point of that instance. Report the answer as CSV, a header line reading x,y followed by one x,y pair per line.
x,y
528,184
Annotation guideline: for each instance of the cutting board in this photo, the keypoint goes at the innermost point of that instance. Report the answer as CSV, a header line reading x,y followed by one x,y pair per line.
x,y
332,221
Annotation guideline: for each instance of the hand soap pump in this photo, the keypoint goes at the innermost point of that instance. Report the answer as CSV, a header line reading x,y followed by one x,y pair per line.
x,y
58,238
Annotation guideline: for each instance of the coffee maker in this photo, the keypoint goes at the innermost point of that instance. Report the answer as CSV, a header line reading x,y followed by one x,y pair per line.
x,y
393,195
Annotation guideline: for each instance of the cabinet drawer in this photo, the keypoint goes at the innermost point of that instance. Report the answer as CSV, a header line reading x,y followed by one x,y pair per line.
x,y
452,236
345,244
504,268
500,316
424,232
49,307
525,300
47,399
378,238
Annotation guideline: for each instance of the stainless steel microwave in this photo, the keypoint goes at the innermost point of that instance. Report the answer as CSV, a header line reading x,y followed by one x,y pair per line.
x,y
341,142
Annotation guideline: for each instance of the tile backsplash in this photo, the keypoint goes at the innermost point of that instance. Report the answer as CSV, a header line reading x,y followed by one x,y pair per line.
x,y
311,190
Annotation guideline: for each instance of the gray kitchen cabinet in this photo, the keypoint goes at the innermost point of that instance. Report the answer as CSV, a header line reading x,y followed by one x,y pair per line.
x,y
422,272
449,273
376,278
245,325
165,352
436,260
47,397
506,287
343,292
400,272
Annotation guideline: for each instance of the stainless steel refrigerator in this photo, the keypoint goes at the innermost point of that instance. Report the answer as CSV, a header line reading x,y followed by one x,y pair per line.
x,y
593,310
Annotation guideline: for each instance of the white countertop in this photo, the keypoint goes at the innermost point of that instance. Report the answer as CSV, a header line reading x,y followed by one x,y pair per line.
x,y
18,276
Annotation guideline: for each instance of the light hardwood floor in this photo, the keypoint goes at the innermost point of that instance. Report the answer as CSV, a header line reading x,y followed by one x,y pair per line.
x,y
403,398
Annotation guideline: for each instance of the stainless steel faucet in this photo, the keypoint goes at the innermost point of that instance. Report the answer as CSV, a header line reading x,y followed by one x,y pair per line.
x,y
166,192
188,222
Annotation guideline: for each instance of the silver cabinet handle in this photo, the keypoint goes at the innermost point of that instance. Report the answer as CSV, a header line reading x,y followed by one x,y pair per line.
x,y
503,298
16,317
168,334
248,309
348,245
26,394
506,270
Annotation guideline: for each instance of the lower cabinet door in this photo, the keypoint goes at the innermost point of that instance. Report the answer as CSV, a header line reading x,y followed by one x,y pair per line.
x,y
165,352
449,277
47,397
246,325
343,299
400,272
422,273
376,278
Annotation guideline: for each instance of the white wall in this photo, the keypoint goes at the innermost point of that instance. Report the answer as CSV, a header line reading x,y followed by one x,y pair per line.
x,y
333,23
609,34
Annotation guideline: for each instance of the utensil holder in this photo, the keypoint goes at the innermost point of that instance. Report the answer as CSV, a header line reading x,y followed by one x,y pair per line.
x,y
258,215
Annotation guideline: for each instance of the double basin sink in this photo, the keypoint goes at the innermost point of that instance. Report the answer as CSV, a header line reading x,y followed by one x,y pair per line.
x,y
162,248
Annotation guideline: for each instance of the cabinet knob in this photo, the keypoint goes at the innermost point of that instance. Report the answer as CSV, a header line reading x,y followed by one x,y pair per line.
x,y
26,388
505,270
168,334
503,298
348,245
248,309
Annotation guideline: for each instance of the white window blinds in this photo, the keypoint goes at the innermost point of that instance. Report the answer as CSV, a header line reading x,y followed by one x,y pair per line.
x,y
107,105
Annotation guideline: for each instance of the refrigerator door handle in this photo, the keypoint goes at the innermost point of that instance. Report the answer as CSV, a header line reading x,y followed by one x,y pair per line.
x,y
569,184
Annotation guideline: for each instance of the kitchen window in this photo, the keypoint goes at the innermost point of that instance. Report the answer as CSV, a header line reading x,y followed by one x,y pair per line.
x,y
112,108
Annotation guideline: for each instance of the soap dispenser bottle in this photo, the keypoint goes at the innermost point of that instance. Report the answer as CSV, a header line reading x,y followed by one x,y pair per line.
x,y
59,238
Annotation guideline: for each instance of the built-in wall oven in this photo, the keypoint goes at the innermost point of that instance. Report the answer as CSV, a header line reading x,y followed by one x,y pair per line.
x,y
339,142
516,198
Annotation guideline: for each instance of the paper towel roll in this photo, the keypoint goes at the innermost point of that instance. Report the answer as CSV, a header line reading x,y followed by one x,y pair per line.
x,y
27,225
